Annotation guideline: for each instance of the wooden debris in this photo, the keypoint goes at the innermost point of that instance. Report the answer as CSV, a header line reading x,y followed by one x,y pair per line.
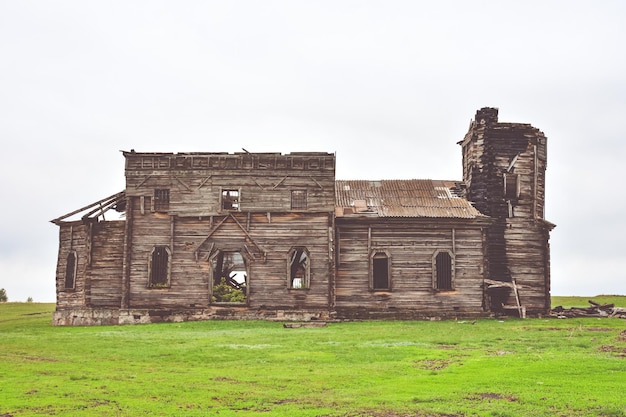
x,y
308,324
595,310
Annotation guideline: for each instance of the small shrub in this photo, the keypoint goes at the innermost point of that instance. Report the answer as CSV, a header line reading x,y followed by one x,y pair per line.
x,y
224,293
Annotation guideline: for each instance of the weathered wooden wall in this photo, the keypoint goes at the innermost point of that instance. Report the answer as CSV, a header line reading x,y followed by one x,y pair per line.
x,y
411,244
265,226
72,236
99,250
528,255
517,242
104,275
195,181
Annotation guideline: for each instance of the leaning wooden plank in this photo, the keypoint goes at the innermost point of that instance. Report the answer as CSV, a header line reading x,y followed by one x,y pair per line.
x,y
114,196
519,306
102,208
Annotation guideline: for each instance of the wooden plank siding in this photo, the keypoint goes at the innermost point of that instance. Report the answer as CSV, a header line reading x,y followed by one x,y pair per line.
x,y
99,264
105,273
517,248
268,283
264,223
264,186
72,237
411,245
528,257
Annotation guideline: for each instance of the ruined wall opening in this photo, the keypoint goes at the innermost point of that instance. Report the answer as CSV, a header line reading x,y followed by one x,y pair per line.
x,y
230,200
229,283
299,266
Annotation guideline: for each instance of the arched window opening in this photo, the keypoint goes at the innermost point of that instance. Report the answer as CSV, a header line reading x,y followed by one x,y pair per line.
x,y
443,271
230,278
299,268
70,270
380,271
159,267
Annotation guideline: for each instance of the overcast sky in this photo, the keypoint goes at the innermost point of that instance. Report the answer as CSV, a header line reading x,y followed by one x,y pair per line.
x,y
390,86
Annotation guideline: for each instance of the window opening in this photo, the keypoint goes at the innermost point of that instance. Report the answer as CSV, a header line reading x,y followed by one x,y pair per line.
x,y
147,204
159,267
230,278
230,199
380,271
161,199
70,270
511,186
443,271
298,199
299,268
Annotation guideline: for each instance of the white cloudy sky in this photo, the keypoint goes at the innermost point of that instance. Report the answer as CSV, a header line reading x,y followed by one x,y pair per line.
x,y
390,86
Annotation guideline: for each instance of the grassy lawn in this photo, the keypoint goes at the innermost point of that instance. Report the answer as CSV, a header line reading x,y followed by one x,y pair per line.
x,y
496,368
575,301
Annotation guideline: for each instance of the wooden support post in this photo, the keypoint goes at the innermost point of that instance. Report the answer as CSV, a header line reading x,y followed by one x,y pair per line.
x,y
453,241
126,259
520,309
536,173
89,243
172,221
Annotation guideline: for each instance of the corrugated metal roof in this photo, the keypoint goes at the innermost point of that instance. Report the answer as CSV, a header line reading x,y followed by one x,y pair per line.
x,y
402,198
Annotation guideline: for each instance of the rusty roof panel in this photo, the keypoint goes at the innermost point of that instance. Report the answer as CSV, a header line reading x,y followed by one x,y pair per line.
x,y
403,198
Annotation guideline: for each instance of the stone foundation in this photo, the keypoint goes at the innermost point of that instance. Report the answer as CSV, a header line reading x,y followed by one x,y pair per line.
x,y
110,316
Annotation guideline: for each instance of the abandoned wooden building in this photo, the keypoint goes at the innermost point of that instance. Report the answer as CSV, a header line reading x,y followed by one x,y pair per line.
x,y
275,236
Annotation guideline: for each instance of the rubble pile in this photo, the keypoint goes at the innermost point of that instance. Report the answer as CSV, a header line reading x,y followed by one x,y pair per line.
x,y
594,310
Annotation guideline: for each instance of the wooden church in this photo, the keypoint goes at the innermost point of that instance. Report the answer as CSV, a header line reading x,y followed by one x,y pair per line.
x,y
275,236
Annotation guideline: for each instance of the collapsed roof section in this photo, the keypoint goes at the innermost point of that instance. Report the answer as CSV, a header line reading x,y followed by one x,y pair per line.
x,y
403,198
94,211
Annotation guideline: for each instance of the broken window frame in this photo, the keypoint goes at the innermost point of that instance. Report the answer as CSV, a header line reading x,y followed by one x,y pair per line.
x,y
512,186
376,257
159,268
443,274
70,270
229,202
298,200
161,199
145,204
303,267
217,270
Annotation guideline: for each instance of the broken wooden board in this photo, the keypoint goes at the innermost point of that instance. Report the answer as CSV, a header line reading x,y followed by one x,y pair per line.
x,y
308,324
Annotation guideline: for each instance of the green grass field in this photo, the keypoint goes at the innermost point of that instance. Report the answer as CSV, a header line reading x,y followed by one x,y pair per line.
x,y
489,367
575,301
